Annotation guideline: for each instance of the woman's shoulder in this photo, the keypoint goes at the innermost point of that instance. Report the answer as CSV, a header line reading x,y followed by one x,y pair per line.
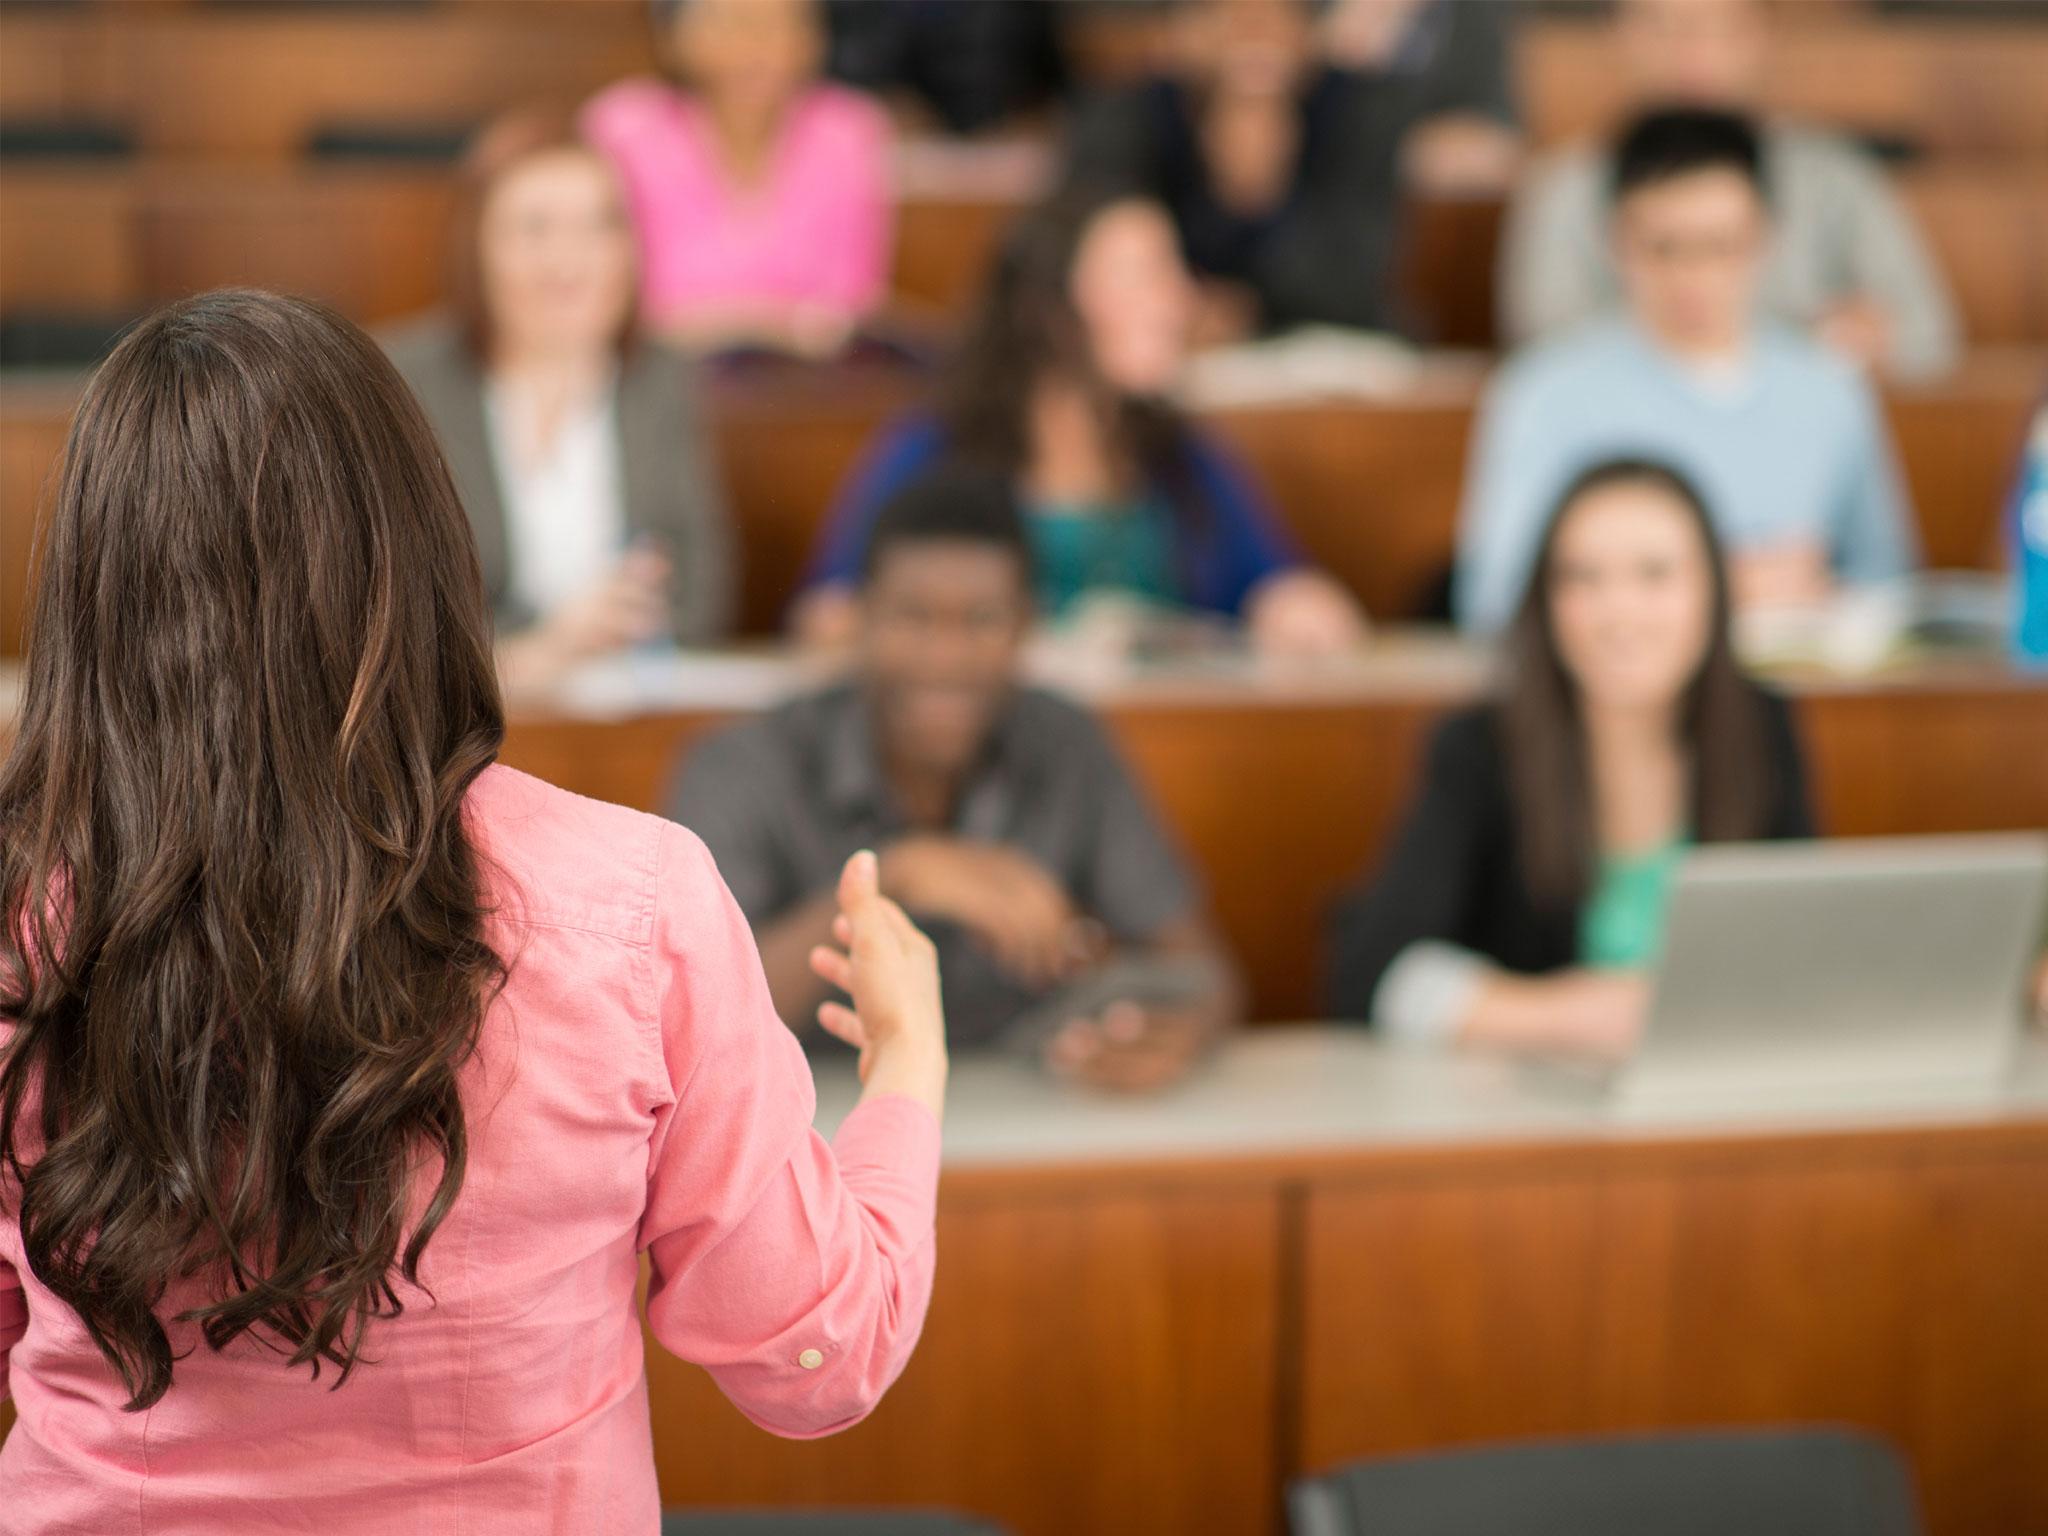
x,y
843,117
556,859
632,108
1467,751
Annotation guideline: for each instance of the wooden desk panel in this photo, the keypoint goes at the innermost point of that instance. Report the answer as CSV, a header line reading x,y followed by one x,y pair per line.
x,y
1090,1364
1889,1287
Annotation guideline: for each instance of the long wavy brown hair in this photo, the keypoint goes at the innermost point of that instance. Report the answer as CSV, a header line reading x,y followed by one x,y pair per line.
x,y
1025,329
242,929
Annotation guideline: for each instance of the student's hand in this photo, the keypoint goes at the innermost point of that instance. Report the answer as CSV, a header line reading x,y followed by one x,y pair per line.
x,y
1461,154
1597,1014
1792,574
826,618
1302,614
1006,899
1129,1048
1859,329
1225,314
890,971
627,606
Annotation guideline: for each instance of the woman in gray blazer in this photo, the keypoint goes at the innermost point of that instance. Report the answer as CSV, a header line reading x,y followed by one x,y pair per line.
x,y
576,443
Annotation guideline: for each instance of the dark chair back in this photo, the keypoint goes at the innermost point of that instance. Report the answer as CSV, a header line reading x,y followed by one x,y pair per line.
x,y
1793,1482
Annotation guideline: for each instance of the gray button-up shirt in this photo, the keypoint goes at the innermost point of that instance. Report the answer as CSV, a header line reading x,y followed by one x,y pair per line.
x,y
784,800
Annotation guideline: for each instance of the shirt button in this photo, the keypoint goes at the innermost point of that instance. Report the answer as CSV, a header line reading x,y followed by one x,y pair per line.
x,y
810,1359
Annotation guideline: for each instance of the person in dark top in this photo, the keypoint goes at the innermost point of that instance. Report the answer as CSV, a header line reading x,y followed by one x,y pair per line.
x,y
1002,815
1064,383
1523,898
1248,145
972,64
1284,174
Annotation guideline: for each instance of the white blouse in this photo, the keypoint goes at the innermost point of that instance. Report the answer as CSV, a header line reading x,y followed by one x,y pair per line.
x,y
565,515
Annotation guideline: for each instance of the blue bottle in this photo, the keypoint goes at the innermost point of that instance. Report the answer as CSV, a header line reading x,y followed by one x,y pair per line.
x,y
2030,550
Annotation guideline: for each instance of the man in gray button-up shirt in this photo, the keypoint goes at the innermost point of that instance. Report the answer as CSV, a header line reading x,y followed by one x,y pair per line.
x,y
1004,819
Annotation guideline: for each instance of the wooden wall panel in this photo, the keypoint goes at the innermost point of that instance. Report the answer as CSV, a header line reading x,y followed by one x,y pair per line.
x,y
31,445
1645,1291
69,240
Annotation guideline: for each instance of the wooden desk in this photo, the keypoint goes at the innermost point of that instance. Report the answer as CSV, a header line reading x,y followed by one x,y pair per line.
x,y
1148,1316
1283,790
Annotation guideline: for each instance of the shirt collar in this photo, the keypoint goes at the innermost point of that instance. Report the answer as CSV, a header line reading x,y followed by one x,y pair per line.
x,y
855,784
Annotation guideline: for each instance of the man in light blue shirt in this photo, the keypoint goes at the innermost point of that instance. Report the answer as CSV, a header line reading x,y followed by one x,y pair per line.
x,y
1783,436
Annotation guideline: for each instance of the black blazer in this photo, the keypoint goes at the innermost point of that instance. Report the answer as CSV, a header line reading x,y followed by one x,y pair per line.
x,y
1453,872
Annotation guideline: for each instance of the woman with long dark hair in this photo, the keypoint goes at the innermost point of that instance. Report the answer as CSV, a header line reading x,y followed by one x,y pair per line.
x,y
1064,384
1523,897
344,1075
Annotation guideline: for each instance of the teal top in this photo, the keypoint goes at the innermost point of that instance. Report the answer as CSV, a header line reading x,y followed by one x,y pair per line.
x,y
1084,547
1622,924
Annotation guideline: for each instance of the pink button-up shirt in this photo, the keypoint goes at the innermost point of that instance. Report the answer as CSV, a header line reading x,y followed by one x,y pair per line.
x,y
814,232
634,1092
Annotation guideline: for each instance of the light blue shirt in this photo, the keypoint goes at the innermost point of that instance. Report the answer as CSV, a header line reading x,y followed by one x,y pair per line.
x,y
1792,446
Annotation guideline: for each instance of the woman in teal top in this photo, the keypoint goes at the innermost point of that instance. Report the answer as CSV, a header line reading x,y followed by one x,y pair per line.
x,y
1523,899
1064,382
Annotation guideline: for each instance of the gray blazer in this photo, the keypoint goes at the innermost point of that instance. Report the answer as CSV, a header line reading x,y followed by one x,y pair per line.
x,y
669,478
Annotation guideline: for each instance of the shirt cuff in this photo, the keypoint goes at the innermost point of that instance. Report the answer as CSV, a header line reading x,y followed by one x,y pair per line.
x,y
1424,995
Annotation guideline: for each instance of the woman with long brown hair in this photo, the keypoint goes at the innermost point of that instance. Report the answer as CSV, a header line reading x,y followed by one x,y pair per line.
x,y
1522,901
1064,384
345,1074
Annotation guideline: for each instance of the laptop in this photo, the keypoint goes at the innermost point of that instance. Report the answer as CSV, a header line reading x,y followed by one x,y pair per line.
x,y
1872,969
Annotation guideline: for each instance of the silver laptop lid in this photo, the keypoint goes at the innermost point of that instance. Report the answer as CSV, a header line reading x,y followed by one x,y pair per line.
x,y
1845,960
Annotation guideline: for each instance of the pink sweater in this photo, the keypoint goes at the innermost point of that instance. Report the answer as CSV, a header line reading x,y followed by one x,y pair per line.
x,y
813,234
634,1093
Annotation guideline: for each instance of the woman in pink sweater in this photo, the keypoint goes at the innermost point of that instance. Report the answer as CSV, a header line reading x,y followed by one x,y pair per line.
x,y
761,194
344,1075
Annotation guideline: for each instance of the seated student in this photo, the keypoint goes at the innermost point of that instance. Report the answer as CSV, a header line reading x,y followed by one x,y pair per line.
x,y
1784,438
1285,211
971,65
1524,894
1002,815
575,443
1063,382
762,194
1846,262
1438,94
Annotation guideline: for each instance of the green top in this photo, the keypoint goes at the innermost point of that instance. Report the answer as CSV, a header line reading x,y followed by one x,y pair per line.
x,y
1622,924
1084,547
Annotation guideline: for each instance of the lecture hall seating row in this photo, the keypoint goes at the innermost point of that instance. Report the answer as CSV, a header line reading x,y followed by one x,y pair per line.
x,y
255,81
1371,489
372,241
1283,793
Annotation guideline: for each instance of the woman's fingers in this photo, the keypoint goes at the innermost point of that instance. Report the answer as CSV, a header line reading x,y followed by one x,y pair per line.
x,y
842,1023
860,887
834,966
842,930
